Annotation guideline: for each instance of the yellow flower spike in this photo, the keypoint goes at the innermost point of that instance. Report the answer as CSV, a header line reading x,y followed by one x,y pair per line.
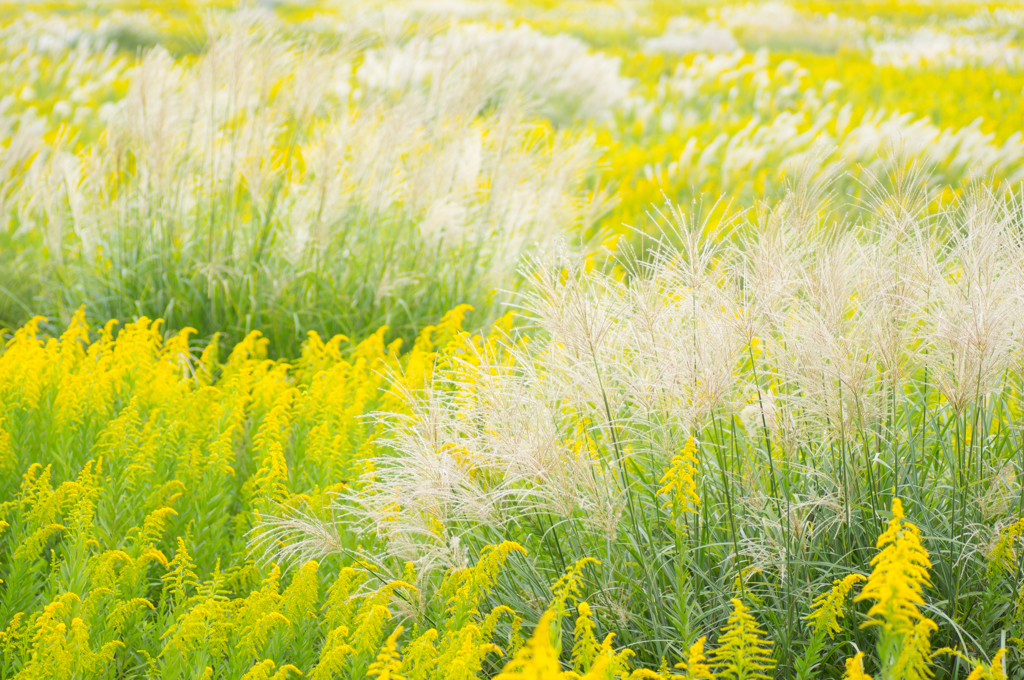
x,y
855,668
463,653
155,524
340,607
421,655
515,637
568,586
467,587
537,660
585,646
827,608
33,545
679,482
261,671
123,611
302,595
913,661
11,636
742,651
993,671
899,576
181,575
388,662
370,622
270,482
1001,559
896,586
8,458
60,644
696,667
333,656
490,621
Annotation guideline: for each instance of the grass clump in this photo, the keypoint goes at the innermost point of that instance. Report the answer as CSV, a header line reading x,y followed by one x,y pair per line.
x,y
276,185
725,422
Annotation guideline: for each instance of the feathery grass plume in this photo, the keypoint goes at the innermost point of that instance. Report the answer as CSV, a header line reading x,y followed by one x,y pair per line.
x,y
587,86
270,168
828,607
763,340
742,652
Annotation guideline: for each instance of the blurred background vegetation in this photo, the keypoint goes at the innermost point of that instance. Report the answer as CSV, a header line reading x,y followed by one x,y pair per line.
x,y
682,101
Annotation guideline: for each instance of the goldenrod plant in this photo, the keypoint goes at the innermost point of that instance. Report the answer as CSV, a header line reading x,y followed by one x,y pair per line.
x,y
855,668
742,653
896,587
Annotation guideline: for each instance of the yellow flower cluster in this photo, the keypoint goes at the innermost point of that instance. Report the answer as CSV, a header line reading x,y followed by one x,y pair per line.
x,y
679,482
899,577
828,607
1002,556
896,588
855,668
145,465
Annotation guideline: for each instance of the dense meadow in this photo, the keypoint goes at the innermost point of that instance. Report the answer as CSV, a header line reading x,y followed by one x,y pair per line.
x,y
536,339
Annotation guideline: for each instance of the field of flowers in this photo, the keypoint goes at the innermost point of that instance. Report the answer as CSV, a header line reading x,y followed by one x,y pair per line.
x,y
512,339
